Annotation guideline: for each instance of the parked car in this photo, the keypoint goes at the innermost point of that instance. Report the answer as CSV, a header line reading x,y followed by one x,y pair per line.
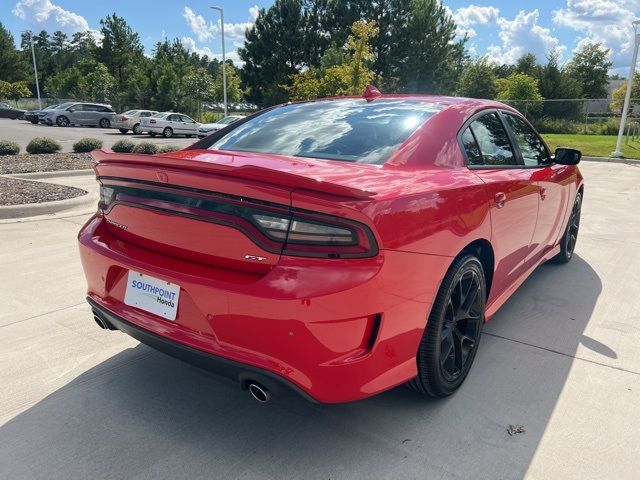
x,y
130,120
7,111
335,248
208,128
169,124
34,116
80,113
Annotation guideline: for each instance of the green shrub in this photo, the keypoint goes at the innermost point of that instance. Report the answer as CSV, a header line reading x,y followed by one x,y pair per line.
x,y
210,117
123,146
87,145
168,148
43,145
147,148
9,148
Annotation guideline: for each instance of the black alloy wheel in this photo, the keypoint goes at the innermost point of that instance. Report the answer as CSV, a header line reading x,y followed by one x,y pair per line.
x,y
450,341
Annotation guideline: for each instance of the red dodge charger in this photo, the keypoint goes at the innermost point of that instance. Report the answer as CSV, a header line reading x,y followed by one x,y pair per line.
x,y
335,248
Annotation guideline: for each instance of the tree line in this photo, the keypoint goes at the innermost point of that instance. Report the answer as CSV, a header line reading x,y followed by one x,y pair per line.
x,y
301,49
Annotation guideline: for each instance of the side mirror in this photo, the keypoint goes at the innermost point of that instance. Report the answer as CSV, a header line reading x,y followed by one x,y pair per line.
x,y
567,156
71,110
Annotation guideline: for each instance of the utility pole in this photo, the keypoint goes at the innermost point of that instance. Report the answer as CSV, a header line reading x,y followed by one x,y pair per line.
x,y
35,69
224,68
627,98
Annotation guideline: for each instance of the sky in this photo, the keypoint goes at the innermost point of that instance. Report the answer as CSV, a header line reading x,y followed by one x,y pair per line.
x,y
502,29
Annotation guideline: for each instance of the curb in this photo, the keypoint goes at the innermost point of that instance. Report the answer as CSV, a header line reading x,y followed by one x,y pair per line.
x,y
8,212
55,174
625,161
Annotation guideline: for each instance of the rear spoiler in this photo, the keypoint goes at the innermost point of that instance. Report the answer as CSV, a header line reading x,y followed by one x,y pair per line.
x,y
246,172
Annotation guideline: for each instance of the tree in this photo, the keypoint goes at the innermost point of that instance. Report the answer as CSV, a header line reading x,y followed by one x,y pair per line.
x,y
427,58
234,90
200,84
12,66
556,83
527,64
617,99
14,91
477,79
590,66
101,85
521,90
121,47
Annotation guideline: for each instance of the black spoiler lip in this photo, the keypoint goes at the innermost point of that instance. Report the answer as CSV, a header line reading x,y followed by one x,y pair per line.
x,y
246,172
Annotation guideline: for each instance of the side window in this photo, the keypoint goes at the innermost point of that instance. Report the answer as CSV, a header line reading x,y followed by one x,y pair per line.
x,y
493,141
145,114
471,148
78,107
534,153
173,118
187,119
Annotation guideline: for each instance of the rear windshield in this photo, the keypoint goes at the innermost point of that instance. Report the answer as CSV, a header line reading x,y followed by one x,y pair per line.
x,y
130,112
348,130
160,115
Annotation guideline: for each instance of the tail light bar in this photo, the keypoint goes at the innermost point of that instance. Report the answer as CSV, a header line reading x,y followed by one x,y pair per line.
x,y
276,228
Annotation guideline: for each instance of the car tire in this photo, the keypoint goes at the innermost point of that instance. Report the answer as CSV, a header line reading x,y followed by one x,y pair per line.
x,y
167,132
570,235
450,340
104,123
123,130
152,134
62,121
35,122
137,130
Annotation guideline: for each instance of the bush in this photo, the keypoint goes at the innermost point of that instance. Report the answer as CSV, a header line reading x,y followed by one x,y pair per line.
x,y
146,148
9,148
168,148
210,117
86,145
123,146
43,145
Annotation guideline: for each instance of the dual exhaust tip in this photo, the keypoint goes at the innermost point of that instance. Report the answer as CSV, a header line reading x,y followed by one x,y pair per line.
x,y
259,393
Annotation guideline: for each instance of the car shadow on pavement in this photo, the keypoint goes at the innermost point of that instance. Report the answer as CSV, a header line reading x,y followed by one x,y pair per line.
x,y
145,415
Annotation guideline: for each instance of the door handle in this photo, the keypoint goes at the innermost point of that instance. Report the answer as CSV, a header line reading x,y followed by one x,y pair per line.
x,y
543,193
500,198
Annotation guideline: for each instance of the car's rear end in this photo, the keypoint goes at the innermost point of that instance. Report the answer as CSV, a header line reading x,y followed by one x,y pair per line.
x,y
125,121
263,267
153,124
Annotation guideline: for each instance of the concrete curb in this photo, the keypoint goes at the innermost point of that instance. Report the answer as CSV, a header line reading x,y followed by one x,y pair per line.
x,y
54,174
625,161
8,212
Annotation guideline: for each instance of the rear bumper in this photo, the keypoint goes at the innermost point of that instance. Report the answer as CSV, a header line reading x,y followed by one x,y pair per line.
x,y
336,330
236,371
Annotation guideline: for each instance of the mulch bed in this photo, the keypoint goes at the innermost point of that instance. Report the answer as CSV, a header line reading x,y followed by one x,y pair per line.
x,y
17,192
29,163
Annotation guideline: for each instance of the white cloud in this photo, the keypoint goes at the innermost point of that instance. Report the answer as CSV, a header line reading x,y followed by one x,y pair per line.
x,y
44,15
191,45
605,21
523,35
466,17
209,30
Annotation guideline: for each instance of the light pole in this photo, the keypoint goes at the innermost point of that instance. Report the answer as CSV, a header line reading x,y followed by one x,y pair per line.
x,y
35,68
224,69
627,98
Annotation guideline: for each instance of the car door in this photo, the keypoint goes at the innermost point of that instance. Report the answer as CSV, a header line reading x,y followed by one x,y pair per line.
x,y
551,179
174,122
77,114
93,114
512,194
189,125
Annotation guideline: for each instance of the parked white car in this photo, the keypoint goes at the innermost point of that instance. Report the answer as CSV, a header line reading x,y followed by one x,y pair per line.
x,y
206,129
130,120
169,124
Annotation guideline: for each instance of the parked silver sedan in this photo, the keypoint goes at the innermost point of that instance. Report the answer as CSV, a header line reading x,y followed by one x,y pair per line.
x,y
206,129
169,124
130,120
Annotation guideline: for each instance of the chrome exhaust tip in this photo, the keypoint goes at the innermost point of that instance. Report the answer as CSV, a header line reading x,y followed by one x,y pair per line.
x,y
100,322
259,393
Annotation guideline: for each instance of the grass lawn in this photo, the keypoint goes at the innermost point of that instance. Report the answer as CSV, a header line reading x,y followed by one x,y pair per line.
x,y
593,145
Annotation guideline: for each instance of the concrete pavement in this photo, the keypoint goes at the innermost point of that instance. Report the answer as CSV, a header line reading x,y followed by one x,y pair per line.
x,y
560,358
22,132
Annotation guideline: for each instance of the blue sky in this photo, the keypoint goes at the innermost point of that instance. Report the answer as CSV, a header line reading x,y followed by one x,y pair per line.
x,y
502,29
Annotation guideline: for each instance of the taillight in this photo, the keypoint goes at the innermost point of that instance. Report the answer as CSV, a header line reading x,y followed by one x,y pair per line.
x,y
152,121
274,227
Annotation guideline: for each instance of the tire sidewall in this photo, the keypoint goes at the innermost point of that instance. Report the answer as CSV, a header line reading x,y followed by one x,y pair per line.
x,y
436,323
565,241
167,132
62,121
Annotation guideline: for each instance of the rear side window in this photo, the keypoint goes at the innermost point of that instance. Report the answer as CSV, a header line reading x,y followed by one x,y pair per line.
x,y
145,114
493,141
349,130
533,151
471,148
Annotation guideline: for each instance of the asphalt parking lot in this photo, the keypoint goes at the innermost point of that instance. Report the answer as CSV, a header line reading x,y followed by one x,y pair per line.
x,y
561,358
22,132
